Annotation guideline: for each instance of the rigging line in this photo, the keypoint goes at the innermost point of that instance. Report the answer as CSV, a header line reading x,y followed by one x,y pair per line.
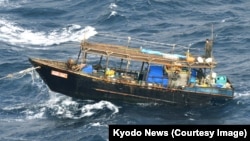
x,y
22,72
137,40
103,35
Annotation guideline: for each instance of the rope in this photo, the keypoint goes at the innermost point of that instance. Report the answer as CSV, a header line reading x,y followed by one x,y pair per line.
x,y
20,73
134,40
113,37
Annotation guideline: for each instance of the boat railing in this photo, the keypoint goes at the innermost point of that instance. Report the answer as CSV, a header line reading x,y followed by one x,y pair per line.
x,y
131,77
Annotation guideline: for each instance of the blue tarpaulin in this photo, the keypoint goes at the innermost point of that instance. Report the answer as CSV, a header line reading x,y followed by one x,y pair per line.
x,y
87,69
155,75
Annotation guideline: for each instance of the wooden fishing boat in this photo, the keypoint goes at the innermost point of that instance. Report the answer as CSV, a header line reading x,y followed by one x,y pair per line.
x,y
127,74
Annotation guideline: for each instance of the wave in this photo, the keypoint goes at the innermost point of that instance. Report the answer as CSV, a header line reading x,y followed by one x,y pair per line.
x,y
62,107
243,95
112,6
11,3
13,34
42,103
65,107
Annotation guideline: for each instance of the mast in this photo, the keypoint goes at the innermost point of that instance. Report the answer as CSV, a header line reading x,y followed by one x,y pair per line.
x,y
212,40
83,50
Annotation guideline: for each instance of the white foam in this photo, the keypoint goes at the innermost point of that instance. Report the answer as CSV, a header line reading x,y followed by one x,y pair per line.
x,y
113,13
88,110
11,3
98,124
29,113
65,107
13,107
243,94
35,115
13,34
148,104
112,6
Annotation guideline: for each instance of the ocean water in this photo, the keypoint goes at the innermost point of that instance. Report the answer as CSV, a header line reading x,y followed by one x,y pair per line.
x,y
29,111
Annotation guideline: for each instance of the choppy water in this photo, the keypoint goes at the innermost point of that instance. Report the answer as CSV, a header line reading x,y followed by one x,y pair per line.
x,y
54,28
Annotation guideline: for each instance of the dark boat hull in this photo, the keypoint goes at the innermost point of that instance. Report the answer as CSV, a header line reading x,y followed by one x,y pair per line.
x,y
75,85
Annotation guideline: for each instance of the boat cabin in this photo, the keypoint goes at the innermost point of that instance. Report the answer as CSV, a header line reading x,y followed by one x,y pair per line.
x,y
143,67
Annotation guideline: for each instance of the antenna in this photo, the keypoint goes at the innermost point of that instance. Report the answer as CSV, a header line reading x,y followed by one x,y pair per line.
x,y
212,40
129,39
211,53
212,32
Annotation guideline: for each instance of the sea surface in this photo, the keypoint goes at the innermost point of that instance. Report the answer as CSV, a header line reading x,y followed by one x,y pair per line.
x,y
29,111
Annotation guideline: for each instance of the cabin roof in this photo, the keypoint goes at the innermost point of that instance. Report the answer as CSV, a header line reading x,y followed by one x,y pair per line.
x,y
135,54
